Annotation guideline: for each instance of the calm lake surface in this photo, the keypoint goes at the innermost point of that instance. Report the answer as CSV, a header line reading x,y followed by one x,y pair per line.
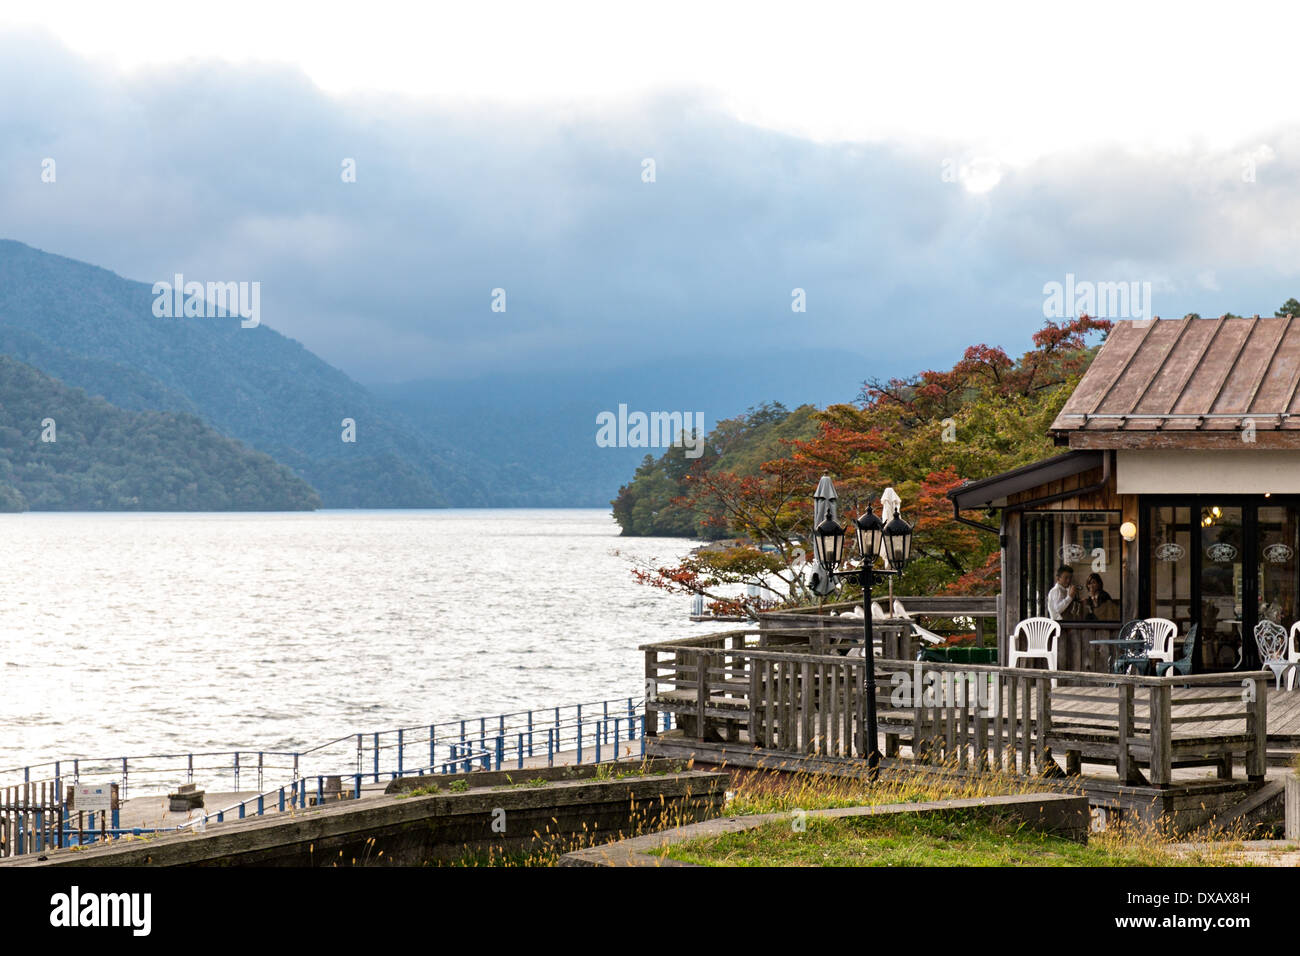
x,y
145,633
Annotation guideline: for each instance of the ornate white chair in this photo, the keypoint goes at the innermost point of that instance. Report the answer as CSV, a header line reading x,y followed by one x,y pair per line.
x,y
1042,640
1272,640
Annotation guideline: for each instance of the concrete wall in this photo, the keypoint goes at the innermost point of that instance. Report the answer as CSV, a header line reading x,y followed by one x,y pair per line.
x,y
398,828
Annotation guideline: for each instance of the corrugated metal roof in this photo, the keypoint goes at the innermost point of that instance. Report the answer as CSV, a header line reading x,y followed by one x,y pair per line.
x,y
1190,375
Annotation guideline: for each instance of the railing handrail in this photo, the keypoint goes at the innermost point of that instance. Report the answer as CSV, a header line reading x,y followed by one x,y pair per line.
x,y
562,722
1089,677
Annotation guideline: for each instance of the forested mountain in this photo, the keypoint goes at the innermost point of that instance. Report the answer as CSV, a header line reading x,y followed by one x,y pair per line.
x,y
95,330
738,446
62,450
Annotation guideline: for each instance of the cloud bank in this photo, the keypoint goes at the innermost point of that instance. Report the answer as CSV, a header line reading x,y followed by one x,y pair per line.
x,y
906,251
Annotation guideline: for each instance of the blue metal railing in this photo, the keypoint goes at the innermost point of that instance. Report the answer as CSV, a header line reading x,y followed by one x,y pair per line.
x,y
591,732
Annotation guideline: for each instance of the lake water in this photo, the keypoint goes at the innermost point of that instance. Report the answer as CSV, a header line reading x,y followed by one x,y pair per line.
x,y
140,633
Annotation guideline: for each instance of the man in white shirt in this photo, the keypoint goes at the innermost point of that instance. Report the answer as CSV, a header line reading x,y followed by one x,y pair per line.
x,y
1063,599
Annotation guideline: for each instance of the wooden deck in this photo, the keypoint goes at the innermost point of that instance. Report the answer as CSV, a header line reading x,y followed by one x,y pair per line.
x,y
788,692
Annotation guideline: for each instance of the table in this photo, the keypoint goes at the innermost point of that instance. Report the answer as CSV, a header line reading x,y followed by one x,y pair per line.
x,y
1121,642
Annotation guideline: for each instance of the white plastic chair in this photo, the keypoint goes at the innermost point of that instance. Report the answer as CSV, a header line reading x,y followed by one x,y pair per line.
x,y
1272,641
1293,655
1041,642
1163,632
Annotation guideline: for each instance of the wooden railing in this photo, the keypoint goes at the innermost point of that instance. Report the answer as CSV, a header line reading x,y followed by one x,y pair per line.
x,y
800,699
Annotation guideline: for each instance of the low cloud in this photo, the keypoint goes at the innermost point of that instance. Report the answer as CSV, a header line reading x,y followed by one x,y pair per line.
x,y
234,173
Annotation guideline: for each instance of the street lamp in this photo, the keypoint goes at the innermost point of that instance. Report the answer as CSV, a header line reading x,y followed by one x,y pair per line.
x,y
872,533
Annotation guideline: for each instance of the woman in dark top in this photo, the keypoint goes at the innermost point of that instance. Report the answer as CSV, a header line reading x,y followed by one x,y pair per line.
x,y
1098,604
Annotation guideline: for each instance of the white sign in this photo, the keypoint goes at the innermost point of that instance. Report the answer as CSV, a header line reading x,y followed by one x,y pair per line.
x,y
92,796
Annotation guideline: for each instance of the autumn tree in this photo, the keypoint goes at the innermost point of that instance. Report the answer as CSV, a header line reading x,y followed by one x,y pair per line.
x,y
923,436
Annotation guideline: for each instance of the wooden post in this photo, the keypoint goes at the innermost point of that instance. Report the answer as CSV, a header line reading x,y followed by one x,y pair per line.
x,y
1044,725
651,682
1257,727
701,693
806,698
1122,768
1161,735
1292,799
861,708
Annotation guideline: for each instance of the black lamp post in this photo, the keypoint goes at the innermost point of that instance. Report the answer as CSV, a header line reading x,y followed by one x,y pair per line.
x,y
829,547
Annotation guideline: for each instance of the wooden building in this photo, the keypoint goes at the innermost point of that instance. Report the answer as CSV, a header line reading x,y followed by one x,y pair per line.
x,y
1179,491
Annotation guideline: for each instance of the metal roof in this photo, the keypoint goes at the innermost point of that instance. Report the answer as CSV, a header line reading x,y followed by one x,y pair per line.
x,y
1166,375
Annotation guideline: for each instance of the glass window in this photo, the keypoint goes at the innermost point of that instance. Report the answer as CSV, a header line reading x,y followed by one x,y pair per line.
x,y
1170,564
1087,544
1279,542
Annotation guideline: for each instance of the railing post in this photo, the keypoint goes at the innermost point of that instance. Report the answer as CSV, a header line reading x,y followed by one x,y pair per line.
x,y
500,749
1161,735
1122,768
580,735
651,690
241,809
401,744
123,794
701,693
433,755
189,768
530,736
1044,723
519,746
376,758
1257,727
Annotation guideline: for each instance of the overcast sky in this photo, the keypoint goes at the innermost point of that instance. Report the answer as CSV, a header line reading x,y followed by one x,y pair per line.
x,y
794,147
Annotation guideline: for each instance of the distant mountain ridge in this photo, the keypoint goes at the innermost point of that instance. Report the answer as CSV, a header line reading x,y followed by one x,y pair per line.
x,y
62,450
95,330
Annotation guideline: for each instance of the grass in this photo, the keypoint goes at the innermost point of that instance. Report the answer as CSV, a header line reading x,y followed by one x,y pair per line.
x,y
769,791
952,839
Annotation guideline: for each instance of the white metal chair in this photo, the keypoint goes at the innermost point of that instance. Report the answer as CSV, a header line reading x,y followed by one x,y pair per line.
x,y
1163,632
1042,639
1272,640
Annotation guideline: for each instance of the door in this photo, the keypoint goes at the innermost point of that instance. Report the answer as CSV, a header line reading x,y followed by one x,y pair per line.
x,y
1275,555
1223,607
